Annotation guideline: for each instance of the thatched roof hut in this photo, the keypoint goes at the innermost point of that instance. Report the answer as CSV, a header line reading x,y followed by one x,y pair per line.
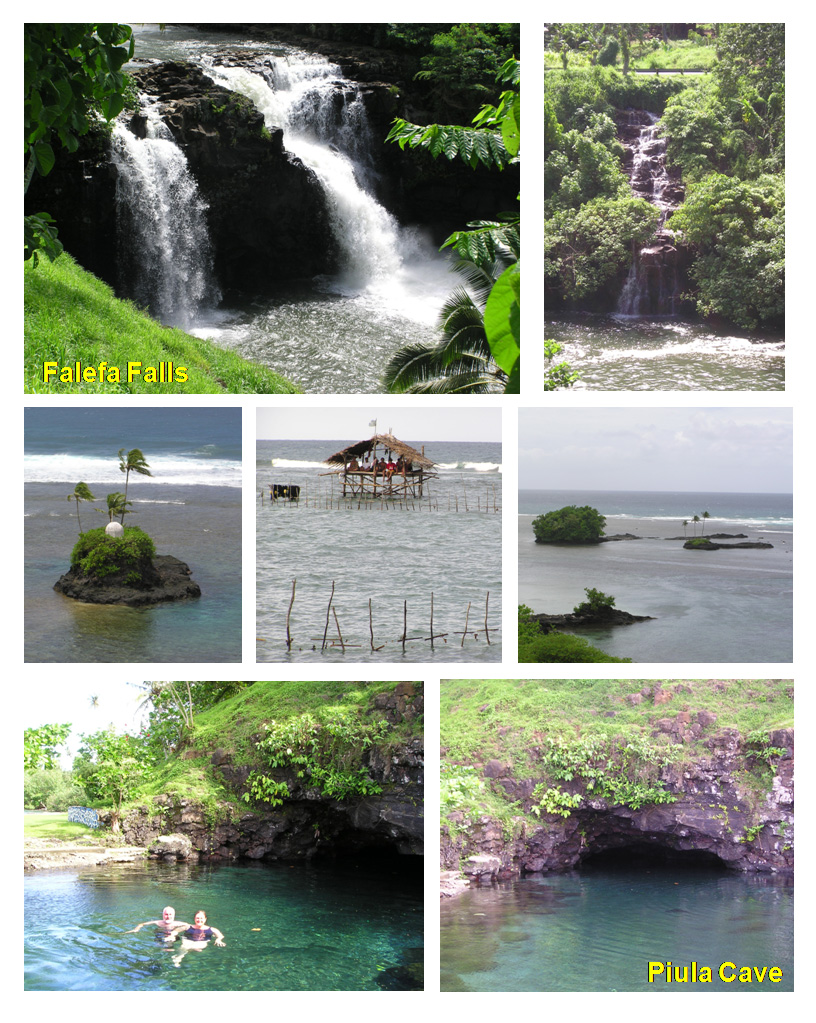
x,y
400,480
385,440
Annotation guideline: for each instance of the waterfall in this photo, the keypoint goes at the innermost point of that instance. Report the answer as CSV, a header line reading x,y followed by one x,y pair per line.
x,y
161,223
324,121
653,285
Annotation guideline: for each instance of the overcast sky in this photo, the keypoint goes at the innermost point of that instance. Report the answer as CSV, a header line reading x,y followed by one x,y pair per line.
x,y
418,424
721,450
58,703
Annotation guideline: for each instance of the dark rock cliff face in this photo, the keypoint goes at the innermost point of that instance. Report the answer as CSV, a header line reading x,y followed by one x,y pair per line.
x,y
308,823
714,813
267,216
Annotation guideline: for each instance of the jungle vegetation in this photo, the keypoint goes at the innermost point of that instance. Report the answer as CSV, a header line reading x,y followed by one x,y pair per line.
x,y
725,129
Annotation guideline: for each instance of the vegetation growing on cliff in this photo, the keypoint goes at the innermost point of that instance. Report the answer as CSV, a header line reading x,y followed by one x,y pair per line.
x,y
596,738
319,730
99,555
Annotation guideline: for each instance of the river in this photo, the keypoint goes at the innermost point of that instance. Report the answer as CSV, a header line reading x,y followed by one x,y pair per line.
x,y
344,926
599,930
625,353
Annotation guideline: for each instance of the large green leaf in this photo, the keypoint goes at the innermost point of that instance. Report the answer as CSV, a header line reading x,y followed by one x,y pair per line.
x,y
502,320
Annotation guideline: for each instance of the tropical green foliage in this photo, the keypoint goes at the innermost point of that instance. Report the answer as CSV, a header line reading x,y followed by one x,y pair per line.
x,y
72,72
537,647
133,461
625,771
110,768
53,789
559,375
725,132
41,746
460,788
738,229
100,555
597,602
569,525
461,361
81,492
173,707
329,755
117,505
481,344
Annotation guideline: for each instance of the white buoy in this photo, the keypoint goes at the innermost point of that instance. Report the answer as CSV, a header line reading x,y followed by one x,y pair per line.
x,y
115,529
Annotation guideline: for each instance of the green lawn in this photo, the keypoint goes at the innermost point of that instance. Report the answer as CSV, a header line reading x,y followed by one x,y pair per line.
x,y
72,316
55,825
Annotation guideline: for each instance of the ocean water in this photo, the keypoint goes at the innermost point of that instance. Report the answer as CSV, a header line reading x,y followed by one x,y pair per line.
x,y
717,606
191,507
344,926
394,554
599,930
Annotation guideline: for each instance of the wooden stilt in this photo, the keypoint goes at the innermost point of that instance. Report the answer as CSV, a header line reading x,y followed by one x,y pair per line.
x,y
291,601
467,616
328,609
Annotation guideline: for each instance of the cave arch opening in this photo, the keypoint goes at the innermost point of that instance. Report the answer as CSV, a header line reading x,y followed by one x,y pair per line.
x,y
651,856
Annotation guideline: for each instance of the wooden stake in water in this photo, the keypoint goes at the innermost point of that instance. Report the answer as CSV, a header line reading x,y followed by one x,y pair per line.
x,y
328,609
339,633
404,623
432,635
487,633
291,601
370,625
467,616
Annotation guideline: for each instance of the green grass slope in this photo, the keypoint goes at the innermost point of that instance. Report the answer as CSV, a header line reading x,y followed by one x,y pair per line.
x,y
518,721
70,315
233,724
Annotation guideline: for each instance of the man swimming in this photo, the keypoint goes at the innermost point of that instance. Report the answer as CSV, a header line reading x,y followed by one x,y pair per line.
x,y
167,926
196,937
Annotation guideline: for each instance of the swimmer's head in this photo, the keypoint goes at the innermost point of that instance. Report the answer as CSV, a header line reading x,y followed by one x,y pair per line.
x,y
168,914
200,918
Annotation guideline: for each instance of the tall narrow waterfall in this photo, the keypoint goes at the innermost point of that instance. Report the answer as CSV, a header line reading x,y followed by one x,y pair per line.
x,y
324,122
166,254
652,287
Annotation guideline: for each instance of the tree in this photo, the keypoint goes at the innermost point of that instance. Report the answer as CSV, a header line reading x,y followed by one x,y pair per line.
x,y
705,516
597,602
685,526
72,72
117,505
695,520
495,142
133,462
41,746
173,706
461,361
110,769
569,525
81,492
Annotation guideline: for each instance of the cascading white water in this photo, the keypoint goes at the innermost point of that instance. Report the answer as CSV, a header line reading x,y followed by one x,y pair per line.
x,y
162,220
303,99
651,286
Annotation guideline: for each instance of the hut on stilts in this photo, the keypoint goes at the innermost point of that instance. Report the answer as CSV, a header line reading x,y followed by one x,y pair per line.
x,y
382,467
